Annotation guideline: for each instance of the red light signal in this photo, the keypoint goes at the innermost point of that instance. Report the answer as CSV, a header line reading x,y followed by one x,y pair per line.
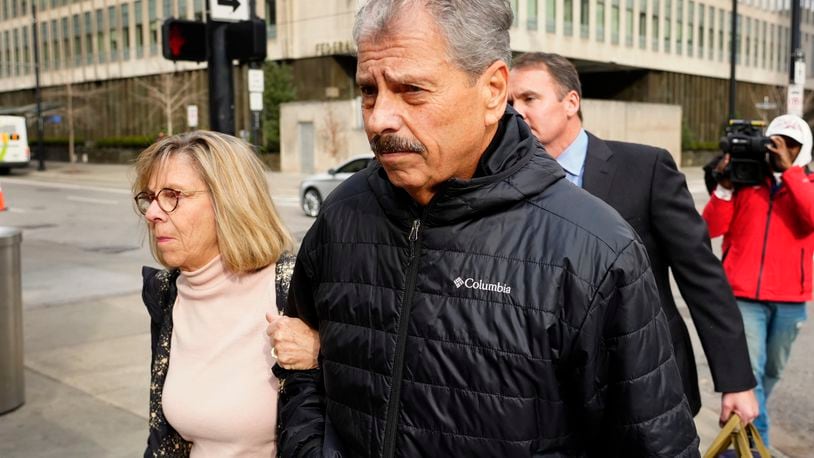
x,y
184,40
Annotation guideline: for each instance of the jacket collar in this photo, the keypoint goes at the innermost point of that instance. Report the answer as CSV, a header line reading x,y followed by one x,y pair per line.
x,y
513,168
599,168
159,291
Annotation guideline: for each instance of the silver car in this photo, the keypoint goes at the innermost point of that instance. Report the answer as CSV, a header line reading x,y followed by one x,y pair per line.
x,y
315,188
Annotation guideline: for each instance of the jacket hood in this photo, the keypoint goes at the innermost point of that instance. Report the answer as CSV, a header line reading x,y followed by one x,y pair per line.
x,y
514,167
796,128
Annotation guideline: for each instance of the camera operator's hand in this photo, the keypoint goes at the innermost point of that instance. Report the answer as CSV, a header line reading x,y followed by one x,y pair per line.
x,y
722,177
783,156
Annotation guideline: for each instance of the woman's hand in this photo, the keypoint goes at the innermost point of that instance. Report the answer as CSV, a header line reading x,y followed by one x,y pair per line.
x,y
294,344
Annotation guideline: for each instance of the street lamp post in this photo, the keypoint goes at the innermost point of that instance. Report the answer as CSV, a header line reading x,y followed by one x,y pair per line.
x,y
733,49
37,90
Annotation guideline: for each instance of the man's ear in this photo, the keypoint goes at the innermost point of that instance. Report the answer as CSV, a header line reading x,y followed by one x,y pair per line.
x,y
495,90
572,102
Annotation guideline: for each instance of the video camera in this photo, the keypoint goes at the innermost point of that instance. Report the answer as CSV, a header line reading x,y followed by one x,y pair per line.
x,y
746,145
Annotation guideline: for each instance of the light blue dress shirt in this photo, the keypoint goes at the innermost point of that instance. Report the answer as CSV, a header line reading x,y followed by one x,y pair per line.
x,y
572,160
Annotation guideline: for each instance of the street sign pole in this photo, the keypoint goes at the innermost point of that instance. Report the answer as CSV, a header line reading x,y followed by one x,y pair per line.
x,y
221,82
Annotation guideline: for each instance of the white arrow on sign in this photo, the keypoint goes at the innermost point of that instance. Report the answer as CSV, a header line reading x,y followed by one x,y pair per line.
x,y
229,10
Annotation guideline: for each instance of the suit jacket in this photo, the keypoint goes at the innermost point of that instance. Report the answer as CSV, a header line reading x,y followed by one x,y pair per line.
x,y
643,184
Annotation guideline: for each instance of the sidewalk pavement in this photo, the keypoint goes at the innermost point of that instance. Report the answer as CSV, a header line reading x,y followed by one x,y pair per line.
x,y
282,185
87,363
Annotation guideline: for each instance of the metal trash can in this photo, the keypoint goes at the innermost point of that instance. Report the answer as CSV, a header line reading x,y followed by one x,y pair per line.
x,y
12,387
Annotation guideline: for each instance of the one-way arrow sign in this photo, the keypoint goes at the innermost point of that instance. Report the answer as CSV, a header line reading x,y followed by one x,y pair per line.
x,y
233,3
229,10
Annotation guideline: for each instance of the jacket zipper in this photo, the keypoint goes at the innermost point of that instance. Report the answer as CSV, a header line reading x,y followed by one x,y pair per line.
x,y
765,242
398,364
802,270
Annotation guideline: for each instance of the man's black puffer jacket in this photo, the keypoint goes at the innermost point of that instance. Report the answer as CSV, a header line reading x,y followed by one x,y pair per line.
x,y
515,315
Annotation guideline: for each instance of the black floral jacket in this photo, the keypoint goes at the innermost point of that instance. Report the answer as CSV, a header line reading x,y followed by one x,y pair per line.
x,y
159,293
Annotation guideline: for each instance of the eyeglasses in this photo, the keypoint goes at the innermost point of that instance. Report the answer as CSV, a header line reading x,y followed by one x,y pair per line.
x,y
167,199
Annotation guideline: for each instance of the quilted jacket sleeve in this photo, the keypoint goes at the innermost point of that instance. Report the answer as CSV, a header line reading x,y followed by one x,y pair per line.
x,y
302,395
632,387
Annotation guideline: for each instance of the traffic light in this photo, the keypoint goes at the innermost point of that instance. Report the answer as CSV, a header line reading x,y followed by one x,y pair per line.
x,y
246,40
184,40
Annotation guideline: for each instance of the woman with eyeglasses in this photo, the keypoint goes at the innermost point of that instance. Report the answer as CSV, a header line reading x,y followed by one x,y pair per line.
x,y
213,226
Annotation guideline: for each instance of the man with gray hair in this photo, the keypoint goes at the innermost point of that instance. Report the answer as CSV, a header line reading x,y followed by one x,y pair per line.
x,y
469,300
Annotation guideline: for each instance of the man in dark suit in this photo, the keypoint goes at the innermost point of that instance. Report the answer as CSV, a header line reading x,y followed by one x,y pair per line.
x,y
643,184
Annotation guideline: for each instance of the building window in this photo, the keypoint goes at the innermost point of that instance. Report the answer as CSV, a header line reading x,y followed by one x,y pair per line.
x,y
568,17
8,61
679,26
55,44
88,38
600,20
551,16
737,43
14,14
721,30
629,23
748,34
66,43
274,8
77,41
198,6
16,59
584,17
654,33
531,14
101,51
701,30
167,8
271,17
642,24
711,34
45,45
125,31
151,16
113,33
26,58
690,27
5,16
138,12
770,61
614,22
667,24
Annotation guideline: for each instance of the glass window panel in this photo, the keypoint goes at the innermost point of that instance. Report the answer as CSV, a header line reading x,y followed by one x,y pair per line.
x,y
642,23
584,17
101,49
531,14
138,13
568,17
600,20
125,31
614,22
113,33
88,38
551,16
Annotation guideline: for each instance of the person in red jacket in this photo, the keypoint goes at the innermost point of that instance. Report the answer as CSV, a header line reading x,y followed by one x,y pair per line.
x,y
768,231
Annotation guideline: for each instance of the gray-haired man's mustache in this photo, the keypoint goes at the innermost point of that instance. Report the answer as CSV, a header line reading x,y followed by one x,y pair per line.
x,y
382,144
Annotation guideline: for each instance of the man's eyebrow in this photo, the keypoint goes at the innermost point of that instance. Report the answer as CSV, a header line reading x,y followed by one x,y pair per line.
x,y
526,93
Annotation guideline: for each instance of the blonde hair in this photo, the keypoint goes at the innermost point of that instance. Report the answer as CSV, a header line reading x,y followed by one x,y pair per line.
x,y
250,233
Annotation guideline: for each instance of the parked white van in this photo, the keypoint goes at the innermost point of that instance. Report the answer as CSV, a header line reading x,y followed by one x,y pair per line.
x,y
14,150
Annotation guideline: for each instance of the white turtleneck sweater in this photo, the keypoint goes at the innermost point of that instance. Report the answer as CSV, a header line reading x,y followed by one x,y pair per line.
x,y
220,393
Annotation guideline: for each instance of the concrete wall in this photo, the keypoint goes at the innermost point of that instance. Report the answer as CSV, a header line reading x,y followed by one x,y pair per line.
x,y
649,123
338,132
